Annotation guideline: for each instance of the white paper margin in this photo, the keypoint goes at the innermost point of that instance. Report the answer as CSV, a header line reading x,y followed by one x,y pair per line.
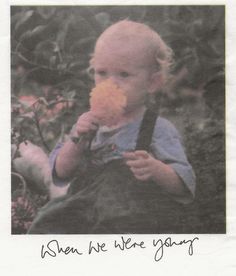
x,y
213,254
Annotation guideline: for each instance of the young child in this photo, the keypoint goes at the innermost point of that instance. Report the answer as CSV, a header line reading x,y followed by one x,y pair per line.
x,y
137,178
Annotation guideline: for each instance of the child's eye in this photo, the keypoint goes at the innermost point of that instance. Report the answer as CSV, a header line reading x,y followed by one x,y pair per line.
x,y
101,73
124,74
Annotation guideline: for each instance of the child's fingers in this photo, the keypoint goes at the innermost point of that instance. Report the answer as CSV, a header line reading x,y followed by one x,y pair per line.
x,y
139,171
86,129
140,163
142,154
139,167
143,177
87,125
141,174
94,119
129,155
136,154
88,117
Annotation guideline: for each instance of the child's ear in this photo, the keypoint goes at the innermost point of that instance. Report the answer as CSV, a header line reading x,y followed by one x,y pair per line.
x,y
156,82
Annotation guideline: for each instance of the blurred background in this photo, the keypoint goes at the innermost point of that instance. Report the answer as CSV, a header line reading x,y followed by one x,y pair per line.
x,y
50,83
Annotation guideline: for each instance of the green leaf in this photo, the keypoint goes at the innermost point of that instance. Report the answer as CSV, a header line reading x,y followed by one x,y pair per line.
x,y
46,12
24,18
38,30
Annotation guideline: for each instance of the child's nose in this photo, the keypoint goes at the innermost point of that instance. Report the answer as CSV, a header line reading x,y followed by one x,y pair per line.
x,y
114,80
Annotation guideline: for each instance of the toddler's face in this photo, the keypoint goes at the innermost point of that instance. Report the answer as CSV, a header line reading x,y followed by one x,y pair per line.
x,y
128,66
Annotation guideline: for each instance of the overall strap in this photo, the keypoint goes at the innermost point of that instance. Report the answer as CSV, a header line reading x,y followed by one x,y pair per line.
x,y
146,130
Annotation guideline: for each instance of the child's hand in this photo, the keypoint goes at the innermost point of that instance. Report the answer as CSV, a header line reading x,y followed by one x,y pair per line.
x,y
145,167
141,163
87,122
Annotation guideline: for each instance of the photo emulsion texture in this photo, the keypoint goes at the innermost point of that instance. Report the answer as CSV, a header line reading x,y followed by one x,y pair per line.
x,y
118,119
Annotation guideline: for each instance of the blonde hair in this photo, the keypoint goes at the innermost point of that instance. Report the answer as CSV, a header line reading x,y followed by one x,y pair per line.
x,y
127,30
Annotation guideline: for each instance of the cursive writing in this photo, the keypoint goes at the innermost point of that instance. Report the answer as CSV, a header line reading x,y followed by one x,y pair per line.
x,y
160,244
53,249
96,248
127,243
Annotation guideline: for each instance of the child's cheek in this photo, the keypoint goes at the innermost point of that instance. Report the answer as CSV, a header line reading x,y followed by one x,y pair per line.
x,y
97,79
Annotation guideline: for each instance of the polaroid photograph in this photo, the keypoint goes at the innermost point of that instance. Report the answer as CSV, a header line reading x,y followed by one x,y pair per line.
x,y
120,158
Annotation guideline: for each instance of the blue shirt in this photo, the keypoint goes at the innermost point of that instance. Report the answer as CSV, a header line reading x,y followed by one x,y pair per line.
x,y
166,146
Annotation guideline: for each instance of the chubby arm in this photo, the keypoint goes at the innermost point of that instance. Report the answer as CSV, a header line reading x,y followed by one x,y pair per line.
x,y
167,164
145,167
68,159
71,155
